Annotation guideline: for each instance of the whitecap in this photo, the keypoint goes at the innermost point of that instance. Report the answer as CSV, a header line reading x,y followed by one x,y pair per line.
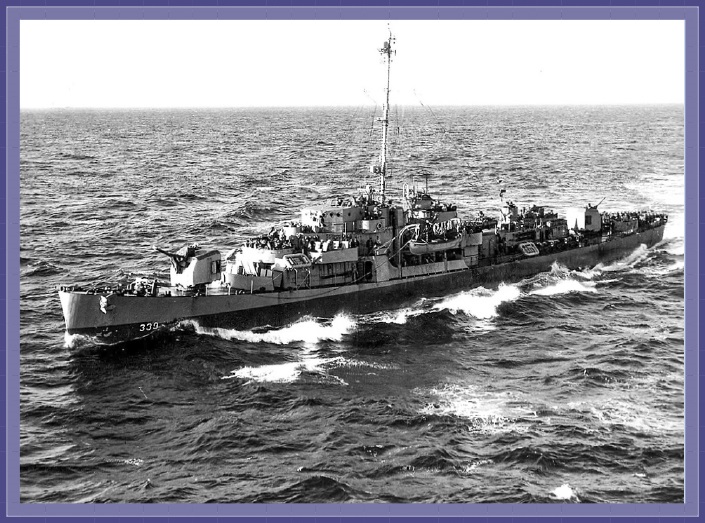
x,y
399,317
558,270
480,303
565,286
565,492
308,331
473,466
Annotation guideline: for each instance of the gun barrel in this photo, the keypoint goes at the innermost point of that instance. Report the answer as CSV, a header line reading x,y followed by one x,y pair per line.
x,y
170,254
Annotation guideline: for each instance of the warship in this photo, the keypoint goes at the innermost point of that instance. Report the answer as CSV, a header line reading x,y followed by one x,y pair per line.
x,y
355,254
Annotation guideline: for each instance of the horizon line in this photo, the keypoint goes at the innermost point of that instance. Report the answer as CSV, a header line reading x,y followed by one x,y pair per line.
x,y
340,106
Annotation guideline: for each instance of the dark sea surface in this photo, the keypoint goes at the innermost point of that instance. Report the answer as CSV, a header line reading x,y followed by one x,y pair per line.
x,y
566,387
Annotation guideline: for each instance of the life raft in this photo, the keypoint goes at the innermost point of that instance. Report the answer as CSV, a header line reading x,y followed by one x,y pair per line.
x,y
420,247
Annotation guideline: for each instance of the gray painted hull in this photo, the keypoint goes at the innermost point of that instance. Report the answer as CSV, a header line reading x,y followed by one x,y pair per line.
x,y
131,317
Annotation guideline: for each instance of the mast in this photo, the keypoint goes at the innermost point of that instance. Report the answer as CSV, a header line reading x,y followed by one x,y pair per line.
x,y
386,52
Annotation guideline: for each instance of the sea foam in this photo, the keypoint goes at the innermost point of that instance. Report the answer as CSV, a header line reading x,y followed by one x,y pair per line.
x,y
486,411
307,331
281,372
565,492
289,372
565,286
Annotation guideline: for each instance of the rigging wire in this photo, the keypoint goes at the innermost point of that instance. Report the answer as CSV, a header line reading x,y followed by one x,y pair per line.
x,y
367,176
349,133
446,132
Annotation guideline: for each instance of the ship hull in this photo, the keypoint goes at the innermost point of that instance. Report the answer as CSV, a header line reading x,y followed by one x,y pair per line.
x,y
126,318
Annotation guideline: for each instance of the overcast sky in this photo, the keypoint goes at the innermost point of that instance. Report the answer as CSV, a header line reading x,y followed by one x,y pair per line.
x,y
310,63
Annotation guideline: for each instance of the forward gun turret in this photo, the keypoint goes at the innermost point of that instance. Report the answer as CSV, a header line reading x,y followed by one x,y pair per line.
x,y
178,258
190,267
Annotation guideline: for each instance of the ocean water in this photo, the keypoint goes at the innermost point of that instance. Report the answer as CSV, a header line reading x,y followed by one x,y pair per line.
x,y
566,387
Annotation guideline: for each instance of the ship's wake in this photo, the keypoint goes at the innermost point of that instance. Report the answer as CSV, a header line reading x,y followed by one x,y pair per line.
x,y
640,254
665,258
399,317
565,286
308,331
484,304
480,303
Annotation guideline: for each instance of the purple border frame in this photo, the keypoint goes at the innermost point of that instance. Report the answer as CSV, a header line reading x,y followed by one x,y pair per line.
x,y
9,300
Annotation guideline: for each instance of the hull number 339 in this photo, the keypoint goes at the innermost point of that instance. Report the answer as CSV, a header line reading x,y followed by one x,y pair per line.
x,y
148,326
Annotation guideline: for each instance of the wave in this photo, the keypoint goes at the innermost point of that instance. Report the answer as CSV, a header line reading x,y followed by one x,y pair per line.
x,y
472,467
675,267
587,274
629,262
624,413
42,268
398,317
650,262
249,210
75,156
484,304
565,286
674,247
316,488
647,261
480,303
307,330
